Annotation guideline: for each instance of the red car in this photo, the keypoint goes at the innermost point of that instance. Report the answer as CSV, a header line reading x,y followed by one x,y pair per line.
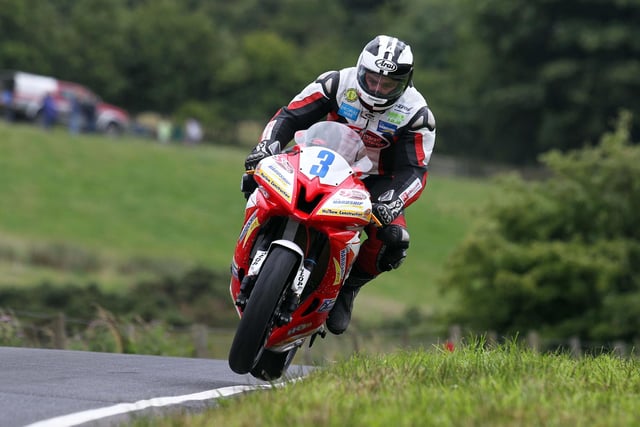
x,y
29,91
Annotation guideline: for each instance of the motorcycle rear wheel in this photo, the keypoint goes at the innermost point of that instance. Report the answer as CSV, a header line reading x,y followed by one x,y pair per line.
x,y
258,316
272,365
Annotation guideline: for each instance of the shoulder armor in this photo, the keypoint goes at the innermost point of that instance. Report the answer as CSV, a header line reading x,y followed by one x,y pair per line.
x,y
329,82
423,118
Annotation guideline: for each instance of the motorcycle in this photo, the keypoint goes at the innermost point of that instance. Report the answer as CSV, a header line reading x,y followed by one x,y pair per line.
x,y
300,237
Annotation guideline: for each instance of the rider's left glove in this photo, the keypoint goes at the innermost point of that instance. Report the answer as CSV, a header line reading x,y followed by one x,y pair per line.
x,y
387,212
262,150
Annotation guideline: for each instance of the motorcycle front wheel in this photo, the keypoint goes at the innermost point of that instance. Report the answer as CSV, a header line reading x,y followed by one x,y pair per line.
x,y
258,316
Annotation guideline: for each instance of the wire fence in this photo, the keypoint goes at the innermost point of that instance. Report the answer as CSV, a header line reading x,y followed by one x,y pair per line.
x,y
105,333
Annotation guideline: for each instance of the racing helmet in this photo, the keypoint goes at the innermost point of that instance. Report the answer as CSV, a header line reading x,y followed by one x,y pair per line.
x,y
384,71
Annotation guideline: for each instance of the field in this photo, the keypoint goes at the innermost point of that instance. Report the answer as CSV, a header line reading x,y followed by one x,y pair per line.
x,y
111,201
177,206
474,385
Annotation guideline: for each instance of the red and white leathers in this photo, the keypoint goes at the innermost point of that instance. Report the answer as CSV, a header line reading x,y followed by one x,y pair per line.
x,y
399,142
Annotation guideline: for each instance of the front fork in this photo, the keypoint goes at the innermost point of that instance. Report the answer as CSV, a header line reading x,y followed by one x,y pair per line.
x,y
307,264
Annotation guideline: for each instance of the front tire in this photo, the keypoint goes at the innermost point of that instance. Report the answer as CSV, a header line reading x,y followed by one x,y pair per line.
x,y
258,316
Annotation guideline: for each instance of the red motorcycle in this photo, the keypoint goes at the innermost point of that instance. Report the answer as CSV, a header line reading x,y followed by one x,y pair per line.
x,y
301,235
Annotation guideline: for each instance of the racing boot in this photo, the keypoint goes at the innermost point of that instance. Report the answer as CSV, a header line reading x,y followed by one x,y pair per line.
x,y
340,315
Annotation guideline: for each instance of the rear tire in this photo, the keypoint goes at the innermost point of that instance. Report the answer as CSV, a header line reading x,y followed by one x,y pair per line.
x,y
257,319
272,365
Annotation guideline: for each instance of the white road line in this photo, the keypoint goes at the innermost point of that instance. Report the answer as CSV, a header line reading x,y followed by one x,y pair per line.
x,y
123,408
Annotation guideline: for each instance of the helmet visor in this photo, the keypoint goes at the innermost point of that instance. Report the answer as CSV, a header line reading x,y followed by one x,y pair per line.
x,y
381,86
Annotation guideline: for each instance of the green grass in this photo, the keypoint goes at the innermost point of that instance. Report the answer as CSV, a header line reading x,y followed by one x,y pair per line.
x,y
125,197
471,386
128,198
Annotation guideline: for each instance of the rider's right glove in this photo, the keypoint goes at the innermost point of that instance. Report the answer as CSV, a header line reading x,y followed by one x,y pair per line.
x,y
262,150
387,212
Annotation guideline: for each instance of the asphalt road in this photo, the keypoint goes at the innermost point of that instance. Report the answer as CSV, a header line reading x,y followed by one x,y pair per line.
x,y
60,388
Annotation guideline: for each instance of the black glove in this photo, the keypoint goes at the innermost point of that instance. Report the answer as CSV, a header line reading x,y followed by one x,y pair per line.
x,y
261,151
387,212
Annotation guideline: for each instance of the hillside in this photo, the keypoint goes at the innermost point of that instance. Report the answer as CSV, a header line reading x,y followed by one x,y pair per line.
x,y
169,206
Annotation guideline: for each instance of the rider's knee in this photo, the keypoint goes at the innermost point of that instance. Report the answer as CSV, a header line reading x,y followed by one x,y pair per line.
x,y
396,242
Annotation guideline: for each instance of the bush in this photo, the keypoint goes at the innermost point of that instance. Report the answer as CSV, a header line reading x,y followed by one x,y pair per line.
x,y
199,296
561,256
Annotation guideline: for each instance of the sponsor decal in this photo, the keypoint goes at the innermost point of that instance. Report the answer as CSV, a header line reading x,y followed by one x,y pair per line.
x,y
275,185
413,189
373,140
353,194
258,259
338,269
343,261
279,174
402,108
351,95
326,305
284,163
348,111
395,118
386,127
340,266
248,228
367,115
348,202
386,65
301,280
299,328
344,212
234,270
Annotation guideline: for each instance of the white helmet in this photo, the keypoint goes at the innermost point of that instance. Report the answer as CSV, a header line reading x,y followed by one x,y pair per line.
x,y
384,71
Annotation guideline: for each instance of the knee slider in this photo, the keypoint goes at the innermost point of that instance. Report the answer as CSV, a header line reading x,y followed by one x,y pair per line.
x,y
394,251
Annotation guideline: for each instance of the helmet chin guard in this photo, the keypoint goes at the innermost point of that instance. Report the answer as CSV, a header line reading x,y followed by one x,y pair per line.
x,y
384,72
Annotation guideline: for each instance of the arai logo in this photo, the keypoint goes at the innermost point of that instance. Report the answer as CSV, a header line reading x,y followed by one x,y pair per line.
x,y
386,65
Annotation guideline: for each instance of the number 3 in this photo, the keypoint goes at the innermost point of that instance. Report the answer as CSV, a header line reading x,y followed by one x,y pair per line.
x,y
326,159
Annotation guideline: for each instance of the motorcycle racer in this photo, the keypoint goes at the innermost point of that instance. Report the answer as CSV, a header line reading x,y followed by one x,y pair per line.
x,y
377,99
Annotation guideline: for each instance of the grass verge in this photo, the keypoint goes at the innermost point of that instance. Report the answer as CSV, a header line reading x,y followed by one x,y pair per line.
x,y
473,385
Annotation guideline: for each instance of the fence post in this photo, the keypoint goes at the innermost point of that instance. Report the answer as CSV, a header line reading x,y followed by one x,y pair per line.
x,y
200,336
576,348
455,333
59,332
620,348
533,340
492,338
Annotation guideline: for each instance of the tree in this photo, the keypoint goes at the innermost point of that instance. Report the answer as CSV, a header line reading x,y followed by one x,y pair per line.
x,y
560,72
94,39
29,36
451,65
260,76
172,56
561,256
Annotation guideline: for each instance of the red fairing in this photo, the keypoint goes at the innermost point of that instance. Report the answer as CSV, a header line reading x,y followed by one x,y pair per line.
x,y
268,202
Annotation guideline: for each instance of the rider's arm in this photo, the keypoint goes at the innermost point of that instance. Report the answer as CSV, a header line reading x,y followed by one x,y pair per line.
x,y
311,105
412,159
412,155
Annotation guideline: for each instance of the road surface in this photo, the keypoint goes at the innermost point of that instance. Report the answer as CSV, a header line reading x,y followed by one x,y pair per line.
x,y
60,388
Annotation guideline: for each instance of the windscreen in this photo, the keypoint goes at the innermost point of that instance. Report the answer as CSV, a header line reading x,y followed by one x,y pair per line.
x,y
339,138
